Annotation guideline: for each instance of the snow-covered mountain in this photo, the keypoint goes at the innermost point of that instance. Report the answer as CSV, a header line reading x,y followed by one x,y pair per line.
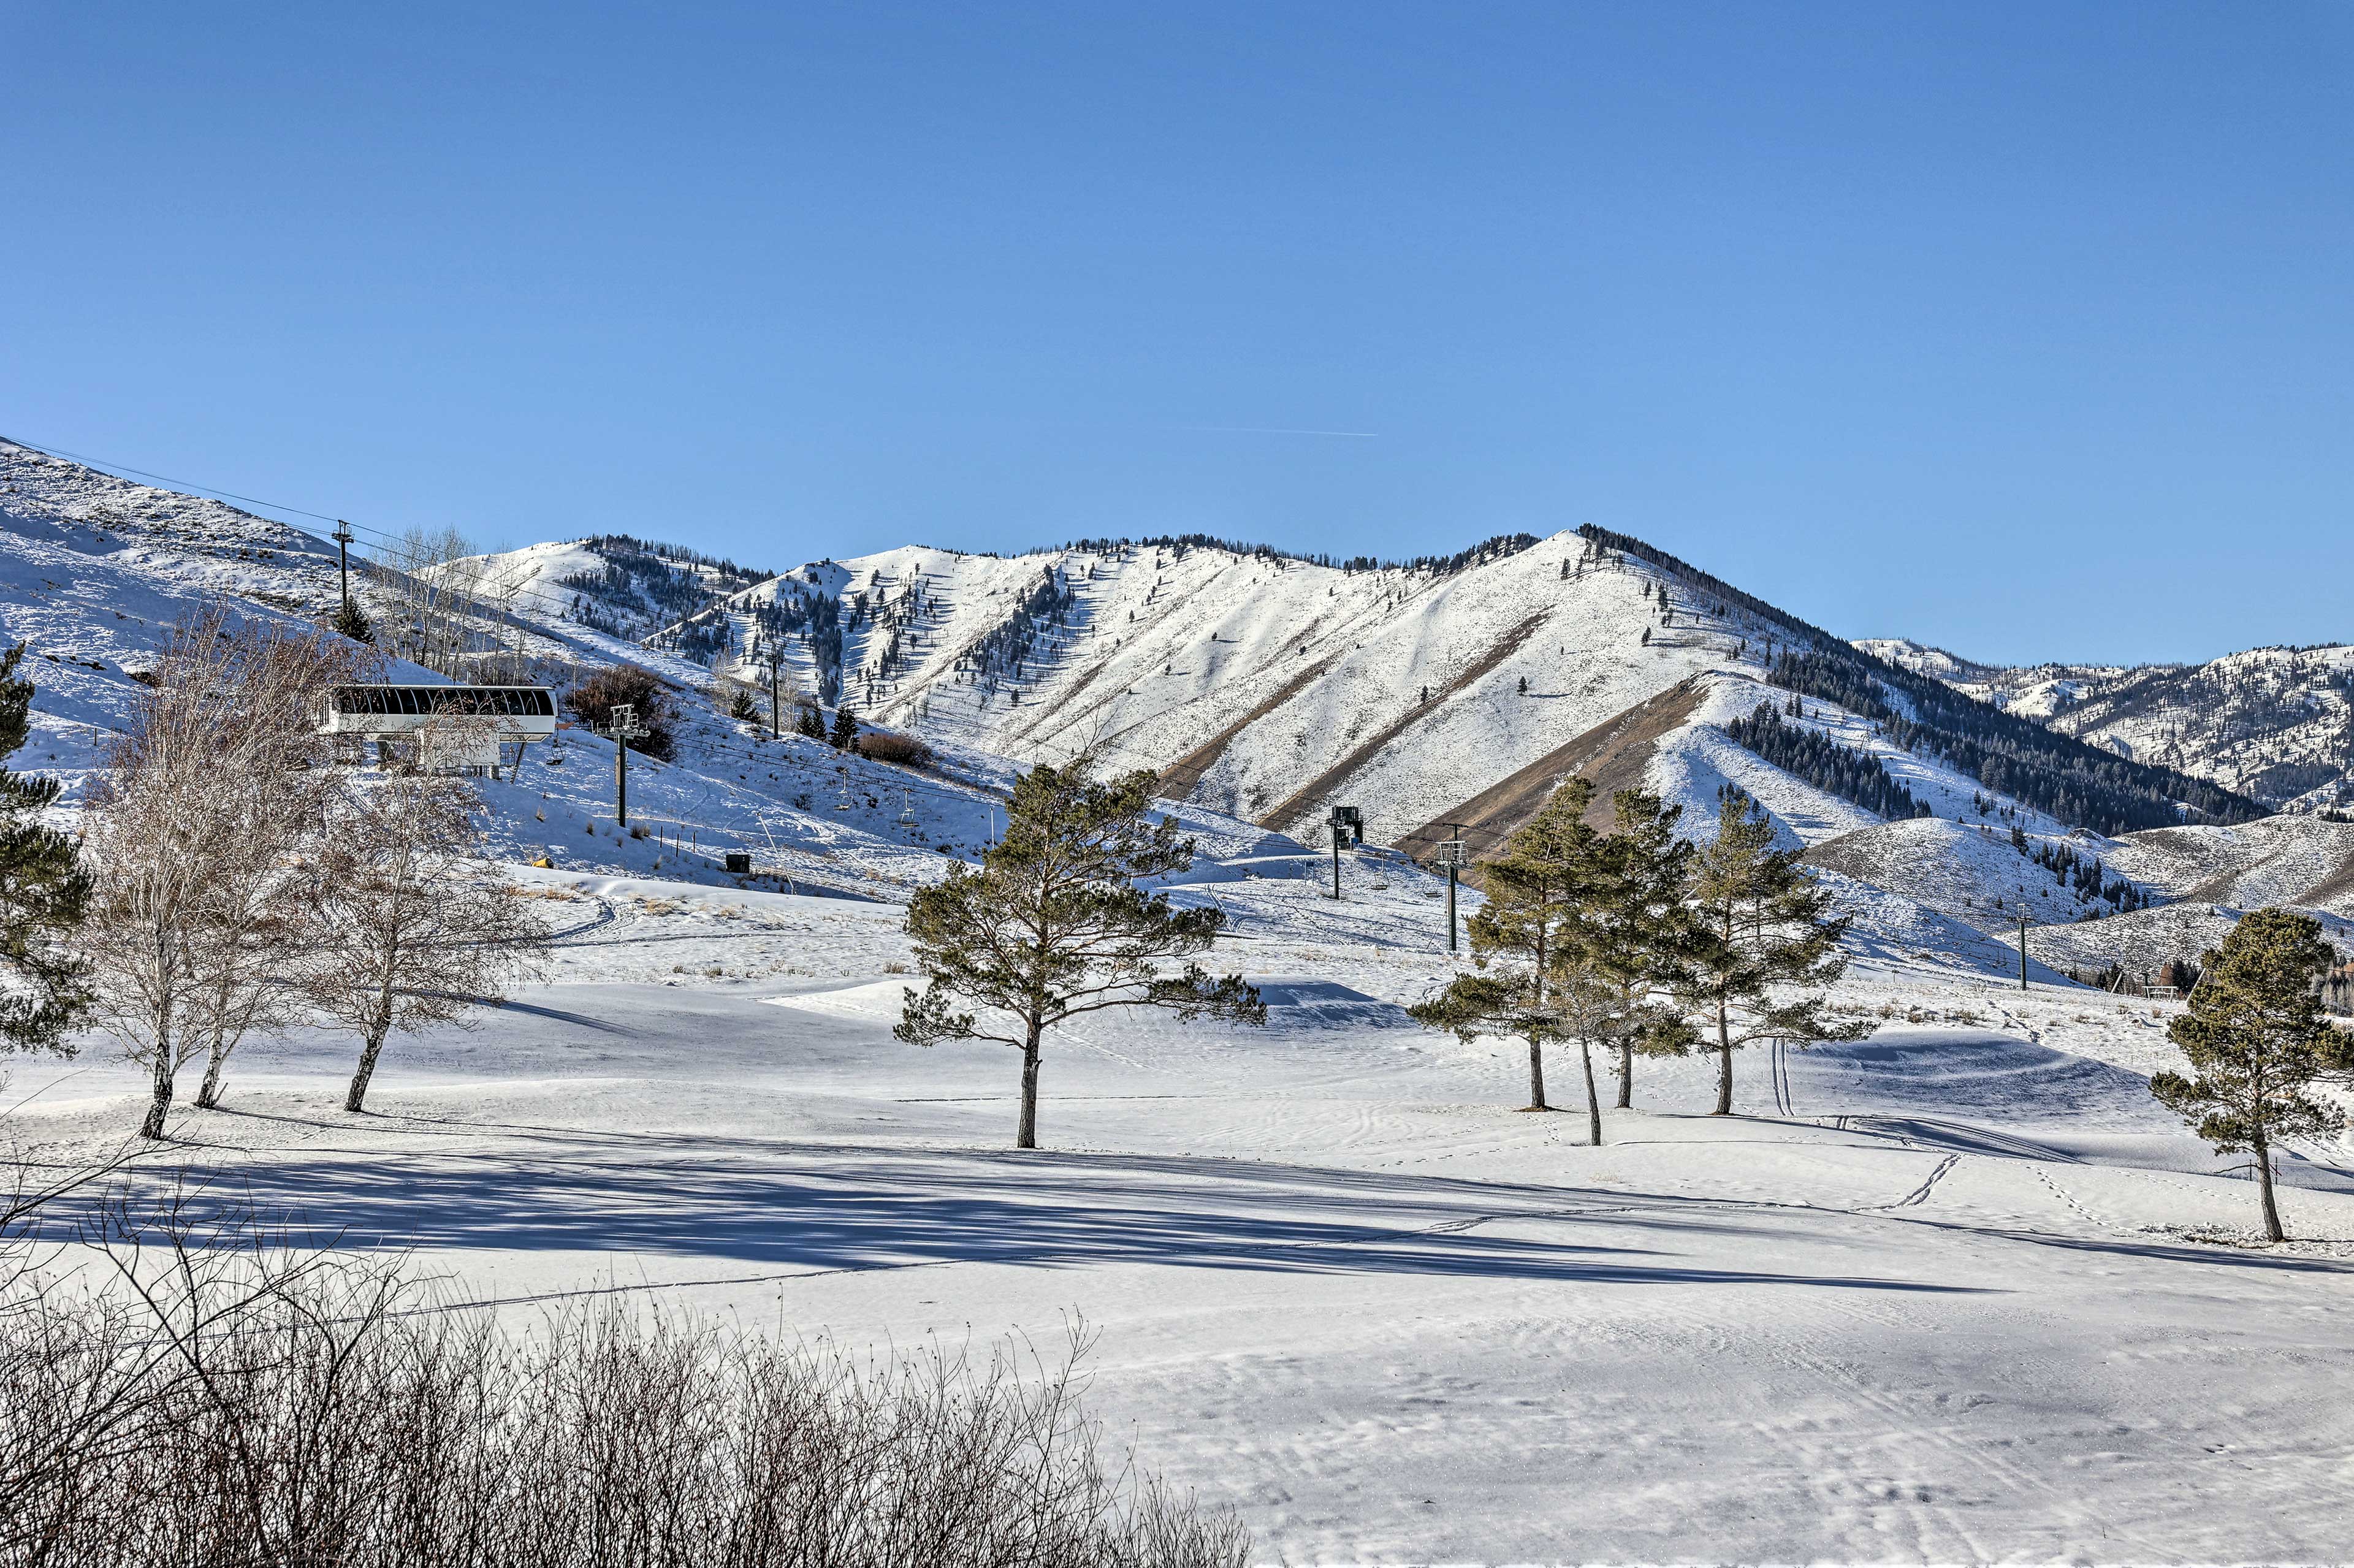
x,y
1438,696
2274,723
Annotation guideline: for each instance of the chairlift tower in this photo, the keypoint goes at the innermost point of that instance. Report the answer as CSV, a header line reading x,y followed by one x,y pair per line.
x,y
1452,855
624,728
343,538
1345,822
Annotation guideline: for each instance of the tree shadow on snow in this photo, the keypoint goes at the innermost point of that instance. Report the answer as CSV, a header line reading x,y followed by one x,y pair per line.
x,y
829,1207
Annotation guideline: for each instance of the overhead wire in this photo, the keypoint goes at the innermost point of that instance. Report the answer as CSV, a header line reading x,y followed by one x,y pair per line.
x,y
553,602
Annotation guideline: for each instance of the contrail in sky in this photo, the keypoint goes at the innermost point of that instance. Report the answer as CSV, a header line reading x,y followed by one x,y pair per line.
x,y
1270,431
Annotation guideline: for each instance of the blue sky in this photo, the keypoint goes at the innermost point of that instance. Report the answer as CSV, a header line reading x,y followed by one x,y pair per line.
x,y
2021,329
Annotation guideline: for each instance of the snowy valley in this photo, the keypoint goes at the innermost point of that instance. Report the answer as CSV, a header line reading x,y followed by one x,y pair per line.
x,y
1959,1290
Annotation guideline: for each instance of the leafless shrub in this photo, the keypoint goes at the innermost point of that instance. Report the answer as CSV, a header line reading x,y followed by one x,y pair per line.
x,y
881,746
593,699
220,1404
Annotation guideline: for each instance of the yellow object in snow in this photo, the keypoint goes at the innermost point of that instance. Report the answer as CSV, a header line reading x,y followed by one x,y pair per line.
x,y
543,864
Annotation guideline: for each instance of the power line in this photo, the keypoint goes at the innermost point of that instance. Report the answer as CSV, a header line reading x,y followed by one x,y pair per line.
x,y
555,604
190,484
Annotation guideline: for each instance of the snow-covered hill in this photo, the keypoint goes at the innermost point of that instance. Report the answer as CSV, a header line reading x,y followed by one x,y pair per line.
x,y
1441,697
2274,723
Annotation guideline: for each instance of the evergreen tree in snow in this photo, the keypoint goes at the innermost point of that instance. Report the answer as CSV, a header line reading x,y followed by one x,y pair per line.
x,y
1534,889
1053,925
1641,934
44,892
1761,929
352,622
2256,1039
844,737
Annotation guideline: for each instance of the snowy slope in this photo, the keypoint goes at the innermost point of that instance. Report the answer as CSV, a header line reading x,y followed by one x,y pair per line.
x,y
1267,688
2146,939
1263,688
2288,859
2276,724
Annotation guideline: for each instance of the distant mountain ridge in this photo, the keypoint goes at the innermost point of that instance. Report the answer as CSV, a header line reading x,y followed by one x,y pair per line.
x,y
2274,723
1446,696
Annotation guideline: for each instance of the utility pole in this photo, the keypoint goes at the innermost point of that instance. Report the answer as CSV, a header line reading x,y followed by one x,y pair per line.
x,y
2022,943
1451,855
623,731
342,537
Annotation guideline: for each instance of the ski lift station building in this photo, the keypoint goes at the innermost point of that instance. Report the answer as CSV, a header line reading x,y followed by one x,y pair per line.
x,y
460,729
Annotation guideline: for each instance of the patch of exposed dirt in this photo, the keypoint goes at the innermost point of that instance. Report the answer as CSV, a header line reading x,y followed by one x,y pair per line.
x,y
1300,801
1183,777
1614,754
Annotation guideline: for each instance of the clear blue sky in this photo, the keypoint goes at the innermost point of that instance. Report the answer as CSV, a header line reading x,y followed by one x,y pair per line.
x,y
2021,329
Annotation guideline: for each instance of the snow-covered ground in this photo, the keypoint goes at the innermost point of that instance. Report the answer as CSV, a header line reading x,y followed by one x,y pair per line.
x,y
1959,1292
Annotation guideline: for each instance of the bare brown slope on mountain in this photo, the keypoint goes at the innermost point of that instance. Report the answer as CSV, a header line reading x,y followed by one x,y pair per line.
x,y
1183,777
1614,754
1301,801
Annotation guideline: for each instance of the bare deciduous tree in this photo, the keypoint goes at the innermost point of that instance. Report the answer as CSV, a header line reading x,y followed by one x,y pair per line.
x,y
451,610
416,927
196,920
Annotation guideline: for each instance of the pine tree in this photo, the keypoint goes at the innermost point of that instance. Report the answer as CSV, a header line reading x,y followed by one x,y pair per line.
x,y
1641,940
352,622
1053,925
741,705
1524,685
844,734
1647,637
44,892
809,722
1532,889
2256,1037
1758,920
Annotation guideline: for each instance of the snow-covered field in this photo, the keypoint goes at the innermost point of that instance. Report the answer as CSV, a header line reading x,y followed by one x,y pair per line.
x,y
1971,1296
1959,1292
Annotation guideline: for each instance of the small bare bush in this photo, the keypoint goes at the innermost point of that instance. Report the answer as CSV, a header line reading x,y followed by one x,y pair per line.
x,y
256,1407
906,750
592,700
